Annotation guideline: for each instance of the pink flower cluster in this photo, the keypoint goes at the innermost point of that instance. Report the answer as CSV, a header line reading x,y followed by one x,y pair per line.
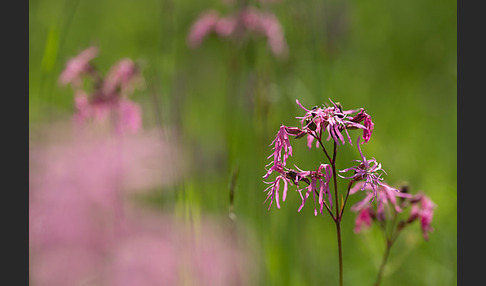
x,y
333,120
390,203
246,20
107,101
85,230
368,171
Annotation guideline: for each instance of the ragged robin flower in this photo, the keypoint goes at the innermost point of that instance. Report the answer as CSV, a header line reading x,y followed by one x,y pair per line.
x,y
333,119
369,171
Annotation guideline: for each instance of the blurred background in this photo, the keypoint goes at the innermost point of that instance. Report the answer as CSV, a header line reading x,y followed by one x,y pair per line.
x,y
225,100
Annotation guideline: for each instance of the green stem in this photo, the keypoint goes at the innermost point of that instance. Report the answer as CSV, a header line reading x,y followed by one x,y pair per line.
x,y
389,244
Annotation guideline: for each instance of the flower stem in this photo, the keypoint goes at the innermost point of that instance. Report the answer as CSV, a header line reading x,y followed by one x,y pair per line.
x,y
340,251
389,244
337,219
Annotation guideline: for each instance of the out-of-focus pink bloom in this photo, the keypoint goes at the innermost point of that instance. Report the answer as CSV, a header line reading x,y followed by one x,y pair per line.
x,y
107,103
203,26
364,217
246,20
83,231
225,26
422,208
78,66
275,37
323,175
121,78
123,114
367,170
386,196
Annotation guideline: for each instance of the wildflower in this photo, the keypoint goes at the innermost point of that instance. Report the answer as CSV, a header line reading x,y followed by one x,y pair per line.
x,y
273,189
121,78
362,116
385,196
323,175
422,208
281,143
236,26
78,66
108,100
331,119
203,26
367,171
365,216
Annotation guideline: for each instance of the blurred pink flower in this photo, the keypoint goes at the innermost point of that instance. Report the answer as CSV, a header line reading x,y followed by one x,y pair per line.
x,y
125,116
423,209
203,26
121,78
107,102
364,217
78,66
84,230
246,20
386,196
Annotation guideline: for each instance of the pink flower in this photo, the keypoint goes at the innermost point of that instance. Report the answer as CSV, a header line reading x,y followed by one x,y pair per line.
x,y
386,197
323,175
331,119
367,170
203,26
362,116
364,217
247,20
422,208
275,37
107,103
281,143
273,190
78,66
124,115
83,230
225,26
121,78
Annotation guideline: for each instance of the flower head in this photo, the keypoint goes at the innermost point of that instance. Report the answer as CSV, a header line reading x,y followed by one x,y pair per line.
x,y
281,143
273,190
323,176
245,21
364,217
108,99
367,170
386,197
121,78
423,209
78,66
331,119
